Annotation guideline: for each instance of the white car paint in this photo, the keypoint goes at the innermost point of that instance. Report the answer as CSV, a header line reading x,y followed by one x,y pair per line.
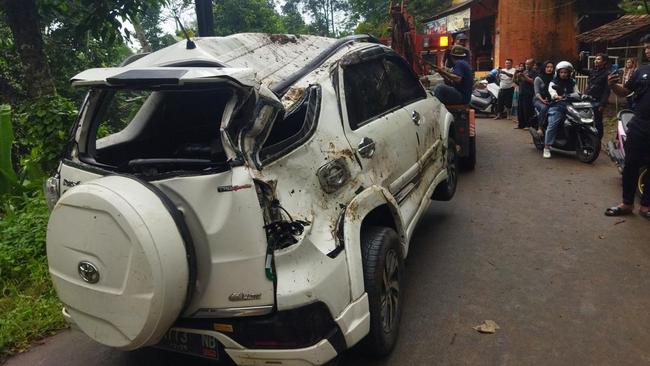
x,y
226,227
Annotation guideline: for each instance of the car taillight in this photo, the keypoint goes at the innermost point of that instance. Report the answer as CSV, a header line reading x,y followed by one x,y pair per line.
x,y
51,191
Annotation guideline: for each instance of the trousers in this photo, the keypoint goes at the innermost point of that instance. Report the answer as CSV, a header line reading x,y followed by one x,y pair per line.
x,y
637,151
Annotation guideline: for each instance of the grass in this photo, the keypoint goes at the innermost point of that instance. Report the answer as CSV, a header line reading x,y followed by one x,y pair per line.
x,y
29,308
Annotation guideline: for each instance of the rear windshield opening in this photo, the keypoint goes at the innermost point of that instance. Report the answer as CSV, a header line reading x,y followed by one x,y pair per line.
x,y
162,131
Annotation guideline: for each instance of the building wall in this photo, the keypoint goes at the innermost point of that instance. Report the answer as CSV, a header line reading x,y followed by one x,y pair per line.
x,y
542,29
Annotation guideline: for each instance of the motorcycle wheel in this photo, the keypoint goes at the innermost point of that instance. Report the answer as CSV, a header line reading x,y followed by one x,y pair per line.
x,y
641,185
589,151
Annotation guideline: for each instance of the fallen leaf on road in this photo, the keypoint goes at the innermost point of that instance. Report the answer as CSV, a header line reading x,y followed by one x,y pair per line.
x,y
488,326
601,236
619,222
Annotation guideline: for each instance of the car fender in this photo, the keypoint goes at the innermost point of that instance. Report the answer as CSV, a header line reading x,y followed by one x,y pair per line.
x,y
355,212
446,120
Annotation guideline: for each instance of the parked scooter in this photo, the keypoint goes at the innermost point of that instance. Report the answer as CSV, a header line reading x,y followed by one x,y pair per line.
x,y
577,132
616,147
484,97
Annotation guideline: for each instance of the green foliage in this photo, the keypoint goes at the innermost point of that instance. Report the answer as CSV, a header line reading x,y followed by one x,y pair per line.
x,y
41,128
237,16
28,306
634,6
7,175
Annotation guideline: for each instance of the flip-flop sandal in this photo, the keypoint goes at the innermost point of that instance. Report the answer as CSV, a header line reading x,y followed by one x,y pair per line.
x,y
617,211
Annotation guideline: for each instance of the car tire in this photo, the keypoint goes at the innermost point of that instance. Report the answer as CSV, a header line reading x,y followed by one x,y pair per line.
x,y
383,274
469,162
445,190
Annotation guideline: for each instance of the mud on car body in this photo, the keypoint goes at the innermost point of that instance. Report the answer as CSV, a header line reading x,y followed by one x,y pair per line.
x,y
251,197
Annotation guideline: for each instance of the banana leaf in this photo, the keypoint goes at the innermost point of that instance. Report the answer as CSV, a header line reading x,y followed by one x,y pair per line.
x,y
8,178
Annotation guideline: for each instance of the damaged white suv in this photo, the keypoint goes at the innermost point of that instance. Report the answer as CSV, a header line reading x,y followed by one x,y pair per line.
x,y
249,196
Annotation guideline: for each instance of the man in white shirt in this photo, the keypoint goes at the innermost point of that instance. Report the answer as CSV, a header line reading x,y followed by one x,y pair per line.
x,y
506,89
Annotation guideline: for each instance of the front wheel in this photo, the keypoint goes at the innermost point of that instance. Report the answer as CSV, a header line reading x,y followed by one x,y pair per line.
x,y
590,148
383,271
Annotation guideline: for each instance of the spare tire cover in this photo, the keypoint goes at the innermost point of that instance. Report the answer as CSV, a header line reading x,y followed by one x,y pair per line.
x,y
118,261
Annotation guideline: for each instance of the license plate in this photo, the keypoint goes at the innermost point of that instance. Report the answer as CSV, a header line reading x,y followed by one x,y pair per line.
x,y
190,343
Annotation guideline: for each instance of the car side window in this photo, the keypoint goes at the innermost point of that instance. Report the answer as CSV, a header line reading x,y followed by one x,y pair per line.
x,y
405,85
368,92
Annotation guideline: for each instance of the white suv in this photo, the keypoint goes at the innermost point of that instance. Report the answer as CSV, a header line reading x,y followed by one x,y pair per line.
x,y
251,195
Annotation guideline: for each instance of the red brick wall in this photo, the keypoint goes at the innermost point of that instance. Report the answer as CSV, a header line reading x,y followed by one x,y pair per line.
x,y
541,29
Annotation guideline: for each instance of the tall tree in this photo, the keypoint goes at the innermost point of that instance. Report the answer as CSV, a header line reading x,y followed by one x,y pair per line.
x,y
23,19
292,18
327,15
236,16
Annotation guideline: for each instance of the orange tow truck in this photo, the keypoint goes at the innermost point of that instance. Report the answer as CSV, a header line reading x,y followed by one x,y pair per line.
x,y
421,50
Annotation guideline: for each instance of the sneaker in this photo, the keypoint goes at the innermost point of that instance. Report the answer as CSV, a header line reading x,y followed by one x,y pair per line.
x,y
547,153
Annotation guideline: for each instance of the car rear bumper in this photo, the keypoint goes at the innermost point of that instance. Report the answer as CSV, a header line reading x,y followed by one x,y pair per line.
x,y
350,327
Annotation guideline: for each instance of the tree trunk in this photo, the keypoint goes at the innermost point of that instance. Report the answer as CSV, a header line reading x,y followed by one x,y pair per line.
x,y
139,34
23,19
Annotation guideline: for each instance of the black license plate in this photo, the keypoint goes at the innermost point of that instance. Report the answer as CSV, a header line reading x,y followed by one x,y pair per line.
x,y
190,343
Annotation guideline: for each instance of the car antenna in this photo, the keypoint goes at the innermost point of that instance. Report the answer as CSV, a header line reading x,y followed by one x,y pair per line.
x,y
190,45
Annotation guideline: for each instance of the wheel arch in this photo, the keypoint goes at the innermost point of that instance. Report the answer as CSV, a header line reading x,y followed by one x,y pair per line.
x,y
375,206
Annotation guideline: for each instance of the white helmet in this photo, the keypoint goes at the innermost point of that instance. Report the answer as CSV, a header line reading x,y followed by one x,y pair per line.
x,y
564,65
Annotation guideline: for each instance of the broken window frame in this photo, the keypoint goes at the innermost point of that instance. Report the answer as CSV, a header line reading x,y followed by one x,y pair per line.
x,y
99,98
311,100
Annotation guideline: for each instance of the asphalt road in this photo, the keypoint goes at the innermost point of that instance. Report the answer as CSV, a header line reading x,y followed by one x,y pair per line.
x,y
524,243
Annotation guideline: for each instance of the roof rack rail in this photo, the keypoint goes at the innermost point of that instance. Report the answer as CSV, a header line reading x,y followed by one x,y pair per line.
x,y
283,86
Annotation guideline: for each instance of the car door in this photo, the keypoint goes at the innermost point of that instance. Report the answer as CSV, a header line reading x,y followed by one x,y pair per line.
x,y
377,126
422,111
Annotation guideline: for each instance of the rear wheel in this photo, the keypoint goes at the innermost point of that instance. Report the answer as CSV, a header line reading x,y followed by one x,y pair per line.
x,y
642,177
445,191
383,271
590,149
469,162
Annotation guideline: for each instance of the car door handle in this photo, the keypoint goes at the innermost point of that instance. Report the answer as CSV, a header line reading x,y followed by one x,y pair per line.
x,y
366,148
416,118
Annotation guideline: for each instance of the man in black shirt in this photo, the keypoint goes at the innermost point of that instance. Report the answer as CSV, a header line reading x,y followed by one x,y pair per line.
x,y
597,87
525,111
637,145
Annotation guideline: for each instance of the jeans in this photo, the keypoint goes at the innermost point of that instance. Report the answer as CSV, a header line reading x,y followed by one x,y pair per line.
x,y
637,149
556,114
598,120
448,95
542,110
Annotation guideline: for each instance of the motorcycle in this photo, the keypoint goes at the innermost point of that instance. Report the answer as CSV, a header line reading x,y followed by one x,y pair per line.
x,y
577,132
616,147
484,97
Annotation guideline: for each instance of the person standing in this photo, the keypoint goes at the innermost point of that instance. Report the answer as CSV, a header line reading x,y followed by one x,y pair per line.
x,y
597,87
542,97
637,144
525,110
506,89
630,68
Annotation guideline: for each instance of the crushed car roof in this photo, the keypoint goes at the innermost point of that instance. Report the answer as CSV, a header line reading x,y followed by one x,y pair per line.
x,y
273,57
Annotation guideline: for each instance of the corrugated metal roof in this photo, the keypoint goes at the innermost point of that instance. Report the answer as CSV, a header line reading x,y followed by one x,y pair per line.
x,y
453,9
617,29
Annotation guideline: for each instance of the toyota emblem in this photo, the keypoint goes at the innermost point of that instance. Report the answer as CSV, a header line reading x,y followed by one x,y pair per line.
x,y
88,272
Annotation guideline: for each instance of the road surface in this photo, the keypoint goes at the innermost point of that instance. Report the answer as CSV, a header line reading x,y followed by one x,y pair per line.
x,y
524,243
